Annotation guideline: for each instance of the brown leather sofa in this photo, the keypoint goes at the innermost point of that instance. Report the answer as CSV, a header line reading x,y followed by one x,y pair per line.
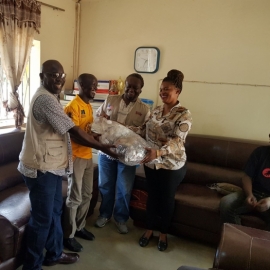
x,y
14,201
209,160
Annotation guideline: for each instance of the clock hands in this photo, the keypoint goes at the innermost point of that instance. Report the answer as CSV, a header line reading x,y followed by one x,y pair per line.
x,y
146,60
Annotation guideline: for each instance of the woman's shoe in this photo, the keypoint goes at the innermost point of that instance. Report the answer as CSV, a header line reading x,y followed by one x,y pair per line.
x,y
144,241
162,245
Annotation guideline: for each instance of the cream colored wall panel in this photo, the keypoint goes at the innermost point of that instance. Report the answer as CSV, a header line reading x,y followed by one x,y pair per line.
x,y
57,35
208,40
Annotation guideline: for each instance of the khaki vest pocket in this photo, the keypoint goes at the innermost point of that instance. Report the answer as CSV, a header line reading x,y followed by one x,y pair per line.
x,y
54,152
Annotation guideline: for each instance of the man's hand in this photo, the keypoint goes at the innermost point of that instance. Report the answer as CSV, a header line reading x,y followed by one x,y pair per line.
x,y
150,155
96,136
106,149
103,114
263,205
251,200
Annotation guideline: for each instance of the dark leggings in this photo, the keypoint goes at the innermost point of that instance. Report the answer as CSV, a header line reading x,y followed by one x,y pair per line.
x,y
162,185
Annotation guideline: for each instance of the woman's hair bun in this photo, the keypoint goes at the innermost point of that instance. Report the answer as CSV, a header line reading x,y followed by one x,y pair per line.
x,y
175,74
176,77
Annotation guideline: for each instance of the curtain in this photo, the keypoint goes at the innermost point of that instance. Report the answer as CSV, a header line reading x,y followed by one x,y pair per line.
x,y
19,20
76,41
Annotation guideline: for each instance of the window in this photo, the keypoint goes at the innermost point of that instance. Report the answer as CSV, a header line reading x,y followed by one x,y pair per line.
x,y
29,84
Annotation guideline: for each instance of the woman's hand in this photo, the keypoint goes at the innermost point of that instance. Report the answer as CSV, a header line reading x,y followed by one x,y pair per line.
x,y
150,155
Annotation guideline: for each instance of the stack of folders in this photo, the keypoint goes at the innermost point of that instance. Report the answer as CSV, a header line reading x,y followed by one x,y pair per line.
x,y
70,94
102,90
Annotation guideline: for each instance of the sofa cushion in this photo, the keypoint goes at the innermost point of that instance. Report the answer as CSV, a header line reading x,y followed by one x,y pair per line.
x,y
197,206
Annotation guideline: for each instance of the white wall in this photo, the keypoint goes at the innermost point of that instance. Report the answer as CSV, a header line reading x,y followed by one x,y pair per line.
x,y
208,40
57,35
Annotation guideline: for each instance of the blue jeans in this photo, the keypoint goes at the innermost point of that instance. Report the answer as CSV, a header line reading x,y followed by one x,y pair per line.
x,y
115,185
232,206
44,229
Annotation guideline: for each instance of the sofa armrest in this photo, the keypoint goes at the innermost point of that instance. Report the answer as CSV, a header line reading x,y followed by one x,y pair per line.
x,y
6,239
243,248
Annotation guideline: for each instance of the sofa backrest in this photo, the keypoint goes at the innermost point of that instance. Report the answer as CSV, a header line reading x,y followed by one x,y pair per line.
x,y
219,151
217,159
10,147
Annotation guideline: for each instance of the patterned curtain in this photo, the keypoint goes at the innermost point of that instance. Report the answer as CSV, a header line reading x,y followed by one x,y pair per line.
x,y
19,20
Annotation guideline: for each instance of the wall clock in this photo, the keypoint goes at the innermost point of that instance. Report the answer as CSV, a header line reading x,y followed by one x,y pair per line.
x,y
146,59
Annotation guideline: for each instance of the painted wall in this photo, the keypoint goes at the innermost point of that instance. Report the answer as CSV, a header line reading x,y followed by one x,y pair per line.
x,y
57,35
208,40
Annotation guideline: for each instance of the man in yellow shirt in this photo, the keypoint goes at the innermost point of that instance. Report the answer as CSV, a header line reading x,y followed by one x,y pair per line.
x,y
80,183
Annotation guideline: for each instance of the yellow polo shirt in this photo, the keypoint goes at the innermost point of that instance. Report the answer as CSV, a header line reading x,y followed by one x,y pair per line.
x,y
81,114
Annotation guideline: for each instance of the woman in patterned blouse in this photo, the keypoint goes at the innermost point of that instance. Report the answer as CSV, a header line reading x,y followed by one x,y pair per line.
x,y
165,131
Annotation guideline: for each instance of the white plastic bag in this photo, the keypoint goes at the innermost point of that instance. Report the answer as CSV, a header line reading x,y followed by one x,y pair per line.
x,y
129,146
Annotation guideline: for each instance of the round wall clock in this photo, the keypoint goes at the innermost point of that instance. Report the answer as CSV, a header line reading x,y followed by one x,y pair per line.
x,y
146,59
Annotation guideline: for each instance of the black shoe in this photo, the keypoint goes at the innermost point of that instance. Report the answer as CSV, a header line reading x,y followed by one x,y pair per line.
x,y
65,258
143,242
72,244
84,234
162,245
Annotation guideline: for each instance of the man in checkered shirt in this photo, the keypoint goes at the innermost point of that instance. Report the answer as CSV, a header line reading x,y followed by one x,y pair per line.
x,y
45,157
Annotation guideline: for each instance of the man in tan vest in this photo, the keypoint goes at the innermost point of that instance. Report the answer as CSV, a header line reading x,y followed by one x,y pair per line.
x,y
115,178
45,157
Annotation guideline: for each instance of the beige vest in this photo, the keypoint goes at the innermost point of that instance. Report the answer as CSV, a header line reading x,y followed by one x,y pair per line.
x,y
135,117
43,148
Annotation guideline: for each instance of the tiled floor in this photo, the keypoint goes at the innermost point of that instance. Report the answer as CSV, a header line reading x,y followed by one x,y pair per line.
x,y
113,251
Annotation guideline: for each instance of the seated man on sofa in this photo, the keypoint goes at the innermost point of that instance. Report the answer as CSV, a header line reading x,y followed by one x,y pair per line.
x,y
256,190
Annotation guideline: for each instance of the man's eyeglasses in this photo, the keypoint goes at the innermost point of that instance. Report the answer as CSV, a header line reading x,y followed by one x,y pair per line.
x,y
56,75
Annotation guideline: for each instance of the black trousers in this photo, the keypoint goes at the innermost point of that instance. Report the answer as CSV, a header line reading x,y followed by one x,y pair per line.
x,y
162,185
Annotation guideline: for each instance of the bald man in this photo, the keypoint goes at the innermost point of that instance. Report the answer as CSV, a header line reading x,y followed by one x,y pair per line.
x,y
80,183
45,157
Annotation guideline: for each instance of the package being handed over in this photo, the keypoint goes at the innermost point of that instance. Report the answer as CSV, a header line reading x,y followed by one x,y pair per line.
x,y
129,146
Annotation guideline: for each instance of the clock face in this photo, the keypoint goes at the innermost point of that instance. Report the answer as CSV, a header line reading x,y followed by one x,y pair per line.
x,y
146,59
